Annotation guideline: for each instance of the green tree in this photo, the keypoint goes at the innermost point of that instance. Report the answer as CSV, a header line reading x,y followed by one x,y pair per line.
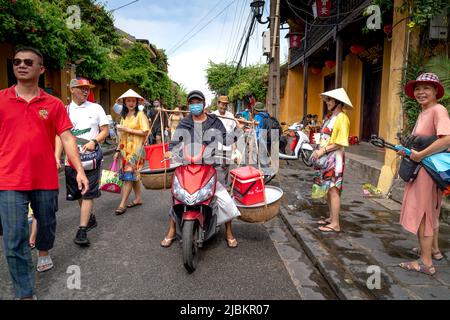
x,y
223,79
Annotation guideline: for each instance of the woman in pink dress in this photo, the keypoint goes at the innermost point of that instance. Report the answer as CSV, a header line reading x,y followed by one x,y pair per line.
x,y
422,199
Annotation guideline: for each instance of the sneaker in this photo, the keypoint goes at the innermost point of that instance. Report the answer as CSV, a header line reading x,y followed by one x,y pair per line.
x,y
81,237
92,222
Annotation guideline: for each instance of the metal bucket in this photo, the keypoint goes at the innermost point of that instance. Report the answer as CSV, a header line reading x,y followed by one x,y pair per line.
x,y
258,213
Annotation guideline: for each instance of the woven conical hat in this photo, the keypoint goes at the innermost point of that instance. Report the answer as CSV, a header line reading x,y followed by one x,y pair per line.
x,y
130,94
339,94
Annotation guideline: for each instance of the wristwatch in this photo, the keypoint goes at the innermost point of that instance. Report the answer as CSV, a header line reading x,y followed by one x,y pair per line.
x,y
95,141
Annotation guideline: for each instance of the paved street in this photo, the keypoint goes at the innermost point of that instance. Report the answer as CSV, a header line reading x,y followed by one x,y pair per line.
x,y
372,237
125,260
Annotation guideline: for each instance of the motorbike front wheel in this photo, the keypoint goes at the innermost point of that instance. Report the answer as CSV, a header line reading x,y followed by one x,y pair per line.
x,y
306,157
190,245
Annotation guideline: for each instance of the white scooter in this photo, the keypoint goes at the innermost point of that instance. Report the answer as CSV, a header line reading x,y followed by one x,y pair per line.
x,y
302,148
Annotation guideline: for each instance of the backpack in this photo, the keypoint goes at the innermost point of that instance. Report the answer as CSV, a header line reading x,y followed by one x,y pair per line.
x,y
271,123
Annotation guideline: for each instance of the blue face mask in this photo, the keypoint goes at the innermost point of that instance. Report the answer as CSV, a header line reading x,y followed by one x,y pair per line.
x,y
196,108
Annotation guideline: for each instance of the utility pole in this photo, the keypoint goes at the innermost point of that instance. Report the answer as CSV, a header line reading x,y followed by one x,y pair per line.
x,y
273,92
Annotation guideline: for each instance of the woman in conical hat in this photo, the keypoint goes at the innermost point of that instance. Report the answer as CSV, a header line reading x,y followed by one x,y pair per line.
x,y
422,199
329,156
133,129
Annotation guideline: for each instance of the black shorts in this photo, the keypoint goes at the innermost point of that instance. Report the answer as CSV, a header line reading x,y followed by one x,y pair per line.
x,y
72,186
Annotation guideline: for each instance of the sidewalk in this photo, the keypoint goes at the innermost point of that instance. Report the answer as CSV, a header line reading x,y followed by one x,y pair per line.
x,y
371,237
366,161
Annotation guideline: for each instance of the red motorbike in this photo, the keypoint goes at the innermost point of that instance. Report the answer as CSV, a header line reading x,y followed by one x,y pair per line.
x,y
193,190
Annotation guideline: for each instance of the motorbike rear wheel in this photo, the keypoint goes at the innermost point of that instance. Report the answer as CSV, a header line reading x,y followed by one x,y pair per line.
x,y
190,245
306,157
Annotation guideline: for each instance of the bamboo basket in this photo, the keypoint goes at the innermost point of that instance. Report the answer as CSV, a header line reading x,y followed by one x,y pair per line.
x,y
155,181
259,213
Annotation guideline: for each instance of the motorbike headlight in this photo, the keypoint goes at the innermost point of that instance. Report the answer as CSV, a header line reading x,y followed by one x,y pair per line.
x,y
179,193
207,191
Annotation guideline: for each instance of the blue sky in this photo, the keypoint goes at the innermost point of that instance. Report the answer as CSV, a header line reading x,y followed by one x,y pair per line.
x,y
166,23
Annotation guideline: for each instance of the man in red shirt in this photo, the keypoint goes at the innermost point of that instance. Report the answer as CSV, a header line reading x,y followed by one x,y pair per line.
x,y
30,120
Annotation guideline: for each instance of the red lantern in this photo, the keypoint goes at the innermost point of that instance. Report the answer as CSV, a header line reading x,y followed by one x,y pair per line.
x,y
323,8
330,64
387,29
356,48
294,40
316,70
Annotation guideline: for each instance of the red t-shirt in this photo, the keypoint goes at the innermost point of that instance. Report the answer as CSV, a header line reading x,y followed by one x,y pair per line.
x,y
27,140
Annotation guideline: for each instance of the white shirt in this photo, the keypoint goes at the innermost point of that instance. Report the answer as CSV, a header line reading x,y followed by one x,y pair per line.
x,y
87,119
229,125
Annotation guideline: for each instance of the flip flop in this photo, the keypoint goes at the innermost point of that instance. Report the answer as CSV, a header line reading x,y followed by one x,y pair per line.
x,y
133,204
232,243
120,210
323,222
44,263
428,270
327,228
167,242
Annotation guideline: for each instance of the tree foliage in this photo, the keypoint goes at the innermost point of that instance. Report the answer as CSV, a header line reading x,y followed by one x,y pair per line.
x,y
421,11
134,66
223,79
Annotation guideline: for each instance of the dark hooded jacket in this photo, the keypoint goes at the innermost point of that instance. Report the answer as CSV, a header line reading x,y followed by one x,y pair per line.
x,y
208,133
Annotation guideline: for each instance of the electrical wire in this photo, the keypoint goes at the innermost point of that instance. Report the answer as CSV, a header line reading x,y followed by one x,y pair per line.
x,y
208,23
198,23
236,44
232,30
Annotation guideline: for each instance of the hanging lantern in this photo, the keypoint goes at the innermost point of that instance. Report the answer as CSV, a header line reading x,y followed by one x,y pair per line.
x,y
316,70
387,29
330,64
357,48
294,40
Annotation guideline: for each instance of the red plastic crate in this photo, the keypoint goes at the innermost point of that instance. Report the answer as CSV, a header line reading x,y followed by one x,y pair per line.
x,y
155,154
249,185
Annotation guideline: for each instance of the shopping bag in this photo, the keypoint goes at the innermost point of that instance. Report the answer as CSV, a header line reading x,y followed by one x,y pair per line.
x,y
110,181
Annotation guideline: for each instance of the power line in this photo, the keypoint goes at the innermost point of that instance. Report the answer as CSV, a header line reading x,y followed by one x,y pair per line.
x,y
182,40
125,5
232,30
236,45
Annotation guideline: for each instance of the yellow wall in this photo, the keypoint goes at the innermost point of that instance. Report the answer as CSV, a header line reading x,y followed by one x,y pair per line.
x,y
382,130
352,83
292,101
6,52
315,88
291,104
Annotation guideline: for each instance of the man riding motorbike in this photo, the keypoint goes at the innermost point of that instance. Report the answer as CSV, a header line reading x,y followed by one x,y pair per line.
x,y
205,129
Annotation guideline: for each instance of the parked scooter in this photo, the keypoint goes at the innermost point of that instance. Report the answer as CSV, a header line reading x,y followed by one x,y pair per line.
x,y
300,146
193,190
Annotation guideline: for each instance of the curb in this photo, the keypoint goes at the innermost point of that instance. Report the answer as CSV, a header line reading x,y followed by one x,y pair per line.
x,y
338,278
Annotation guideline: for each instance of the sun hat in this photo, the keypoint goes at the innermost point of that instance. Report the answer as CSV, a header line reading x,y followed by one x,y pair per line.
x,y
80,82
223,99
131,94
427,77
259,106
340,95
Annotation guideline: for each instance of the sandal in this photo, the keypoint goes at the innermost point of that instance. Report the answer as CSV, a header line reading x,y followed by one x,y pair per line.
x,y
232,243
323,222
44,263
167,242
120,210
438,256
327,228
133,204
410,266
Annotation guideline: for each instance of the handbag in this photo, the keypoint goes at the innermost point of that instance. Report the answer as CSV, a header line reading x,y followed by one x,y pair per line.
x,y
409,169
110,181
92,160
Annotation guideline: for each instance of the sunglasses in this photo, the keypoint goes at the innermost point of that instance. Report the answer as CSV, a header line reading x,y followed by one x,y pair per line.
x,y
27,62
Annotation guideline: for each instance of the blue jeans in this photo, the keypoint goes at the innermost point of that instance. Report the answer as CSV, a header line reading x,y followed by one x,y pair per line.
x,y
13,216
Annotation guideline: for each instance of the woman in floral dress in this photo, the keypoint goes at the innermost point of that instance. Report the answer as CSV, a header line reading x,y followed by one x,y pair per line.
x,y
133,129
329,158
